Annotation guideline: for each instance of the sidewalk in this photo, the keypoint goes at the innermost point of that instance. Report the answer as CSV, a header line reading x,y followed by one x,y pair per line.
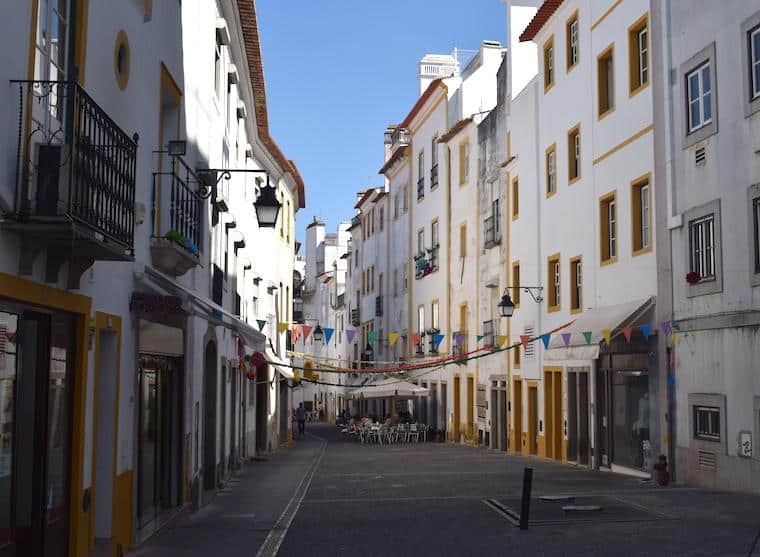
x,y
240,517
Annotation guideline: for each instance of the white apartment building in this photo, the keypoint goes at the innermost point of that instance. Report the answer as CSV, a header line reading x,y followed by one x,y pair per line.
x,y
323,307
707,98
588,241
142,275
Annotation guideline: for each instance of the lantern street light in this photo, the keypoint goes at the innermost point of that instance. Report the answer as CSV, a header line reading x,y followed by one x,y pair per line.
x,y
318,334
507,306
267,207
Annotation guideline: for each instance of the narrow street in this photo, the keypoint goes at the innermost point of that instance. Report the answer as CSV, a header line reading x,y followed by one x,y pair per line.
x,y
433,499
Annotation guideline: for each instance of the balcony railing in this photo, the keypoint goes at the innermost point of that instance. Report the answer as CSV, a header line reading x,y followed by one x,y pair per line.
x,y
421,188
426,263
355,318
434,176
177,206
74,161
399,138
378,306
458,347
341,301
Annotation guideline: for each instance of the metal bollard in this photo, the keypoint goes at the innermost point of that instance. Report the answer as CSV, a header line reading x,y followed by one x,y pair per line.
x,y
525,507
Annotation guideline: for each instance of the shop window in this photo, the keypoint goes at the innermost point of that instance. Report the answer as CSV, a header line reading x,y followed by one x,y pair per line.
x,y
707,423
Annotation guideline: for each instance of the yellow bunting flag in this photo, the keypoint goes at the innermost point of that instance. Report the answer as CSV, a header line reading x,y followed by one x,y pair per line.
x,y
607,334
297,375
282,327
500,340
673,337
392,338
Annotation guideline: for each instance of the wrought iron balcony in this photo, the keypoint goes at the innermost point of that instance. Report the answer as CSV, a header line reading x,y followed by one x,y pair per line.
x,y
341,301
426,263
75,180
355,318
378,306
177,213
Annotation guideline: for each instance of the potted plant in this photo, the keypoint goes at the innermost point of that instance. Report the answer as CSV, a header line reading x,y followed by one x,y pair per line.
x,y
693,277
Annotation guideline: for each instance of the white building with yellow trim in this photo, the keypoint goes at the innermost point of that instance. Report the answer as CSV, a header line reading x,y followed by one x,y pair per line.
x,y
137,276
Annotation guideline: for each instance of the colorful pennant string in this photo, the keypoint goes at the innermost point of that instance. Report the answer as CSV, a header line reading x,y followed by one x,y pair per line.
x,y
328,334
261,323
350,334
392,338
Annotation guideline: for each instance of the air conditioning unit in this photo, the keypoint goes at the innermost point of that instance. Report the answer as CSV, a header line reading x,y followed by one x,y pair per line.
x,y
52,179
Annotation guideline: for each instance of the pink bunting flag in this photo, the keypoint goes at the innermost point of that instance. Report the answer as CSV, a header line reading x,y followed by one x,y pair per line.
x,y
306,329
525,339
415,338
627,333
566,338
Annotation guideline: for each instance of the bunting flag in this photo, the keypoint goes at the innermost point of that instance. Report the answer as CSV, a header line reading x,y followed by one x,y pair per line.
x,y
525,339
328,333
437,339
566,338
546,338
306,330
665,327
296,332
459,340
673,337
607,334
241,348
675,326
415,338
261,323
350,334
392,338
481,337
500,340
282,327
297,375
646,330
627,333
372,337
587,336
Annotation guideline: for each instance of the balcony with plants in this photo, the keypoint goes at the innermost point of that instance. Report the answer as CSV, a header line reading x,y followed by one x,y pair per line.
x,y
426,263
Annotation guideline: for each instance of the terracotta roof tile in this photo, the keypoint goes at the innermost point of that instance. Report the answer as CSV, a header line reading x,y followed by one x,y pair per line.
x,y
249,24
543,14
455,129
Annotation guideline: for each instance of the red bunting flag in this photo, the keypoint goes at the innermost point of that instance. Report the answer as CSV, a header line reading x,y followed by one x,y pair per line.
x,y
306,330
627,333
415,338
525,339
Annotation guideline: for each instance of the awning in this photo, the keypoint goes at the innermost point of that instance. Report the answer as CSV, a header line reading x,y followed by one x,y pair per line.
x,y
595,321
387,388
286,372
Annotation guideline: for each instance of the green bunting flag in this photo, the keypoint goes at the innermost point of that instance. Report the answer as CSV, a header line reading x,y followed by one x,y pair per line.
x,y
261,323
587,336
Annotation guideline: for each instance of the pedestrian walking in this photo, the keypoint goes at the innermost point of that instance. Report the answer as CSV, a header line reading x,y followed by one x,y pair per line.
x,y
301,412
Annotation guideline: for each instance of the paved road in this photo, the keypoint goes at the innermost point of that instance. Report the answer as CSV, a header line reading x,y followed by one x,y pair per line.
x,y
340,498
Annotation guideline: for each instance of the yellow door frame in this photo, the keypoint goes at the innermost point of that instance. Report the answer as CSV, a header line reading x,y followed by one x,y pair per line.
x,y
33,293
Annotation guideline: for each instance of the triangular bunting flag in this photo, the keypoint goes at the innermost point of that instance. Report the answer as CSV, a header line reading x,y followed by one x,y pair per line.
x,y
437,339
372,337
350,334
282,327
306,330
261,323
665,327
297,376
546,338
627,333
566,338
459,339
607,334
392,338
415,338
525,339
481,337
328,334
675,326
500,340
646,330
673,337
587,336
296,332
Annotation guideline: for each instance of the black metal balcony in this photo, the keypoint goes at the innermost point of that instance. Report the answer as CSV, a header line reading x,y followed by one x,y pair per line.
x,y
177,210
355,318
378,306
75,179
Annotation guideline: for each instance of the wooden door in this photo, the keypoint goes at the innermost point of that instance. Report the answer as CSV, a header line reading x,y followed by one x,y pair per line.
x,y
532,419
557,415
572,416
549,414
457,402
517,417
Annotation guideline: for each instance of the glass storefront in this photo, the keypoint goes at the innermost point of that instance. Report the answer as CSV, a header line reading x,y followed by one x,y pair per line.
x,y
630,413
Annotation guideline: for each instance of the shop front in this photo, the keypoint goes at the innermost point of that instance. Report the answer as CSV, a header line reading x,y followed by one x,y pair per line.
x,y
160,426
42,376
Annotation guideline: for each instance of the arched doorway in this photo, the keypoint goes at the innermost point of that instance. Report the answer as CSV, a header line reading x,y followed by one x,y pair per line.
x,y
209,416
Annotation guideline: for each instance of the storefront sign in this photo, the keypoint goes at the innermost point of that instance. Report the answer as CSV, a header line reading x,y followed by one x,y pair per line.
x,y
153,303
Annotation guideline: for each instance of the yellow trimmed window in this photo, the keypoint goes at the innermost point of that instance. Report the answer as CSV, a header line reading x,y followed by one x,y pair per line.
x,y
549,63
641,215
605,81
573,41
551,171
638,54
608,228
515,198
554,280
574,154
576,284
516,282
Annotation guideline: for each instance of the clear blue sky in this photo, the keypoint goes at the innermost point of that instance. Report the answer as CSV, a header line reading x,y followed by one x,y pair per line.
x,y
339,71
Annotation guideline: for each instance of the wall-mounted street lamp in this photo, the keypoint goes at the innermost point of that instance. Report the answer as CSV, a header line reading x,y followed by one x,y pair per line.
x,y
267,205
506,305
318,334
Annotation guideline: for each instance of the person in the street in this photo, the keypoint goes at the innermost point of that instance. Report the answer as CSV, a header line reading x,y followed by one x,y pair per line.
x,y
301,414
